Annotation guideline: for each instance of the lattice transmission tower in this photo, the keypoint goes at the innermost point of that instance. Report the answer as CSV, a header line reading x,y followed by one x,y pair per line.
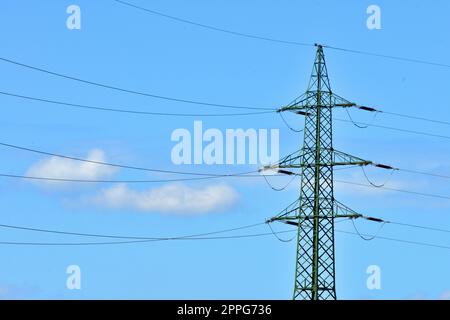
x,y
316,209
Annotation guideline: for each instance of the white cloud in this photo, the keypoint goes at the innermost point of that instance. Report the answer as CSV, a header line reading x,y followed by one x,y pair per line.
x,y
171,198
60,168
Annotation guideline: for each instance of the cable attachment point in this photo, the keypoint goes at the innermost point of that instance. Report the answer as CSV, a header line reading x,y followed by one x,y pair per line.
x,y
270,220
289,173
365,108
375,219
265,168
268,170
276,170
384,166
355,216
345,105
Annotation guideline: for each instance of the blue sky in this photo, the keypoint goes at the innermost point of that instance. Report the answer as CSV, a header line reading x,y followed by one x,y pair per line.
x,y
128,48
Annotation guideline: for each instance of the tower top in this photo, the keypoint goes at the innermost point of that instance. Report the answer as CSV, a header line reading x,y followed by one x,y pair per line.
x,y
319,77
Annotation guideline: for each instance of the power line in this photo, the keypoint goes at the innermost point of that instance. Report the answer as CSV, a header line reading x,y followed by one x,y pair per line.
x,y
62,244
115,164
278,188
135,92
205,176
390,175
110,109
267,110
238,175
271,186
419,227
288,125
378,220
204,238
137,112
402,115
397,190
275,234
373,184
437,175
400,240
415,117
198,236
137,241
205,26
425,173
355,123
388,56
395,128
367,237
364,125
115,236
275,40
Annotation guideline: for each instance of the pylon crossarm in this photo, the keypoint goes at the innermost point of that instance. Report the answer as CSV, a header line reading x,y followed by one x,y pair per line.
x,y
297,104
342,158
342,211
339,211
296,109
294,161
290,212
301,219
302,103
342,102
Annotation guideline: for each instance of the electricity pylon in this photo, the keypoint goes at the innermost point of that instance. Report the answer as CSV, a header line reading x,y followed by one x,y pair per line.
x,y
316,209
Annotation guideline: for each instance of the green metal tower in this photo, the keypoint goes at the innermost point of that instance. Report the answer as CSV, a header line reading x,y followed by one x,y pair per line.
x,y
316,209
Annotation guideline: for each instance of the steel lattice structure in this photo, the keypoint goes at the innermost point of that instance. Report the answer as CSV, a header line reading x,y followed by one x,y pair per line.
x,y
316,209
